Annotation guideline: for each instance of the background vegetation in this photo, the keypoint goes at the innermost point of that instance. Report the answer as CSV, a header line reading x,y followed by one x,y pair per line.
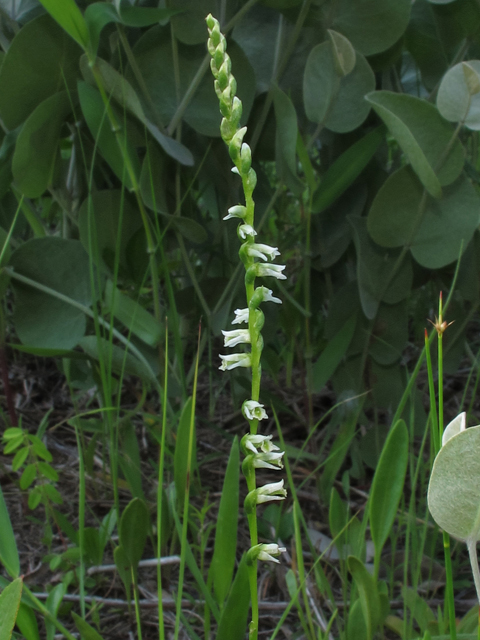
x,y
363,120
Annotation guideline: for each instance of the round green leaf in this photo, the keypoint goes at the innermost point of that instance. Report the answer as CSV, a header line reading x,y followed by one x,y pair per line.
x,y
40,319
337,102
343,53
423,136
36,149
435,234
154,57
41,60
371,25
453,490
454,99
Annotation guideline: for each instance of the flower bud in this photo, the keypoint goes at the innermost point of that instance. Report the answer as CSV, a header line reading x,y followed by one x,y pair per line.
x,y
251,181
236,143
245,158
227,130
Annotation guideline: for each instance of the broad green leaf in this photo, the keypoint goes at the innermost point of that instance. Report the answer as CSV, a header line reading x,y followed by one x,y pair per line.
x,y
41,60
86,630
40,319
225,546
99,14
390,332
356,625
9,604
286,139
122,91
189,24
368,594
387,486
116,357
378,274
453,495
69,17
131,314
181,461
153,53
371,25
432,37
346,168
27,623
233,621
424,146
343,53
124,569
434,235
113,147
455,100
336,102
332,355
8,546
38,143
107,221
133,530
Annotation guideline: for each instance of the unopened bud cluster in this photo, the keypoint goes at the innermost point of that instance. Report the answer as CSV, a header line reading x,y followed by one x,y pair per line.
x,y
260,452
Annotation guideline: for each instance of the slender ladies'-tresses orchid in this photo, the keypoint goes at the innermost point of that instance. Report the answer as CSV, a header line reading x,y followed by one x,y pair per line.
x,y
257,258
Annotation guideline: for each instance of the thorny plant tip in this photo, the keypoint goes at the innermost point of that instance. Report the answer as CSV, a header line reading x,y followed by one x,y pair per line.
x,y
260,452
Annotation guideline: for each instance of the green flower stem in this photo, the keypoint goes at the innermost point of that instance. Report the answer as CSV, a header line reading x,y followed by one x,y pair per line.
x,y
440,326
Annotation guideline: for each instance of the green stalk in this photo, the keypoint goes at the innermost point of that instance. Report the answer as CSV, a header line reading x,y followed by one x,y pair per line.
x,y
138,617
161,468
440,326
183,541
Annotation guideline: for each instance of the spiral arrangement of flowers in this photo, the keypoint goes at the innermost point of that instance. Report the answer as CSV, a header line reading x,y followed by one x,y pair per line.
x,y
257,258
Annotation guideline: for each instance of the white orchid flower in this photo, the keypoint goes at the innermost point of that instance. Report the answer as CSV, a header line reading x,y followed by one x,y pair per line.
x,y
267,295
237,336
237,211
235,360
253,410
262,251
268,552
268,460
271,491
246,231
241,315
274,270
